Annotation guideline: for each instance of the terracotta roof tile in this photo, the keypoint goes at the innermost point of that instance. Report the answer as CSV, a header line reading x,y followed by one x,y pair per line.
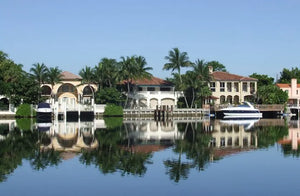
x,y
152,81
219,75
69,76
281,85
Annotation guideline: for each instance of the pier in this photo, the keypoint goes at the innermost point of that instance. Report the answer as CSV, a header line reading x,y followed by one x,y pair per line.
x,y
165,112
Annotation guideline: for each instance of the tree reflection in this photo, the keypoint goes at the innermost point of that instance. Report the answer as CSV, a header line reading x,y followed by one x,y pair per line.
x,y
127,149
17,146
113,153
195,146
268,136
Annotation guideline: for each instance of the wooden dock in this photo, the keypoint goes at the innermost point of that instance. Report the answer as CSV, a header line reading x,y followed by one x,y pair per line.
x,y
165,112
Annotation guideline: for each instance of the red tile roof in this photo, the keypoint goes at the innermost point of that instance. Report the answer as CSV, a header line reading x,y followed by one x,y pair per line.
x,y
152,81
219,75
281,85
69,76
145,149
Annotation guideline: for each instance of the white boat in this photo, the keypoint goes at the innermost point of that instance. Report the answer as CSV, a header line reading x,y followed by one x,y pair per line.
x,y
247,123
246,110
44,112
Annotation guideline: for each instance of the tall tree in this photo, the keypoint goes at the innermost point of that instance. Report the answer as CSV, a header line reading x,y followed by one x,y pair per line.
x,y
106,73
177,60
286,75
39,72
262,79
87,76
142,70
53,77
217,66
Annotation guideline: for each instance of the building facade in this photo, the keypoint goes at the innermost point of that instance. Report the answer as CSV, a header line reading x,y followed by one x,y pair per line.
x,y
69,92
231,88
293,91
149,93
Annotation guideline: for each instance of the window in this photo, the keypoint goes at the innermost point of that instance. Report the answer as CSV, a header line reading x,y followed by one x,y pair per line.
x,y
229,87
150,89
140,89
165,89
65,88
222,86
245,86
213,87
236,87
252,87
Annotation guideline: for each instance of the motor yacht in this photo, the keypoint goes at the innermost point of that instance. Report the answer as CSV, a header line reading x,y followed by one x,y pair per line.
x,y
44,112
246,110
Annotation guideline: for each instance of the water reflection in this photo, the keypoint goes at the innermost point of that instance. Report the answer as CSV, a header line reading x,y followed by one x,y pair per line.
x,y
127,147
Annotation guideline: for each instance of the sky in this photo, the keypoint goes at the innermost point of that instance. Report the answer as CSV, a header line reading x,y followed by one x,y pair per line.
x,y
247,36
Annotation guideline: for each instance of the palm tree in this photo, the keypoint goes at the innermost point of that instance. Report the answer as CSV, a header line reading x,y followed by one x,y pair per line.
x,y
128,72
88,77
132,68
40,74
143,71
201,69
203,77
53,77
177,60
106,73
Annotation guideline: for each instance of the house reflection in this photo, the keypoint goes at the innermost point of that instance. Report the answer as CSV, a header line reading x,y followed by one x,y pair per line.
x,y
5,127
293,137
233,133
68,136
230,137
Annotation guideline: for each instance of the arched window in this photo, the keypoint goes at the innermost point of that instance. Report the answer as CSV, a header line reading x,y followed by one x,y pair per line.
x,y
222,99
46,90
4,104
236,99
229,99
88,91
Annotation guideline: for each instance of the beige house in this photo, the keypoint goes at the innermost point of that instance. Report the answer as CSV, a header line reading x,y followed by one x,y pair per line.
x,y
70,91
231,88
293,91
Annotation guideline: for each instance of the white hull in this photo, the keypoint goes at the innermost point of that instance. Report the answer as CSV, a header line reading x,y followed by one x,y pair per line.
x,y
242,115
44,110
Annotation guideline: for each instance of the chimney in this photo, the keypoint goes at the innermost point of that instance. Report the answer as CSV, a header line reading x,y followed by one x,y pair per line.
x,y
210,69
294,86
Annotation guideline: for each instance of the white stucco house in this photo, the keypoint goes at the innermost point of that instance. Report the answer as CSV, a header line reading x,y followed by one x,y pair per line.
x,y
149,93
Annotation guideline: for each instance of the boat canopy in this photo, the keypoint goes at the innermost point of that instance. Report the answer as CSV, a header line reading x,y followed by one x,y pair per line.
x,y
44,105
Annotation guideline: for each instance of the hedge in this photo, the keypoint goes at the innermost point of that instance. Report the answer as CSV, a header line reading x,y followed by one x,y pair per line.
x,y
113,110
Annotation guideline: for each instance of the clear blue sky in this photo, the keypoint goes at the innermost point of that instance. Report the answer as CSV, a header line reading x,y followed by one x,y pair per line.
x,y
246,36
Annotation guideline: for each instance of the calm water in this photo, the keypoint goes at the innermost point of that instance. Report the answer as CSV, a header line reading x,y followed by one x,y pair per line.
x,y
125,157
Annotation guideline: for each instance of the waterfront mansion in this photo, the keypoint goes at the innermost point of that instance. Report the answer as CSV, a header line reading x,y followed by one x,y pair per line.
x,y
152,92
69,91
293,91
231,88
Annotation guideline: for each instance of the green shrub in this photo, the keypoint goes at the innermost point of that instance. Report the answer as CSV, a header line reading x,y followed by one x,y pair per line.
x,y
25,123
109,96
24,110
113,110
113,122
